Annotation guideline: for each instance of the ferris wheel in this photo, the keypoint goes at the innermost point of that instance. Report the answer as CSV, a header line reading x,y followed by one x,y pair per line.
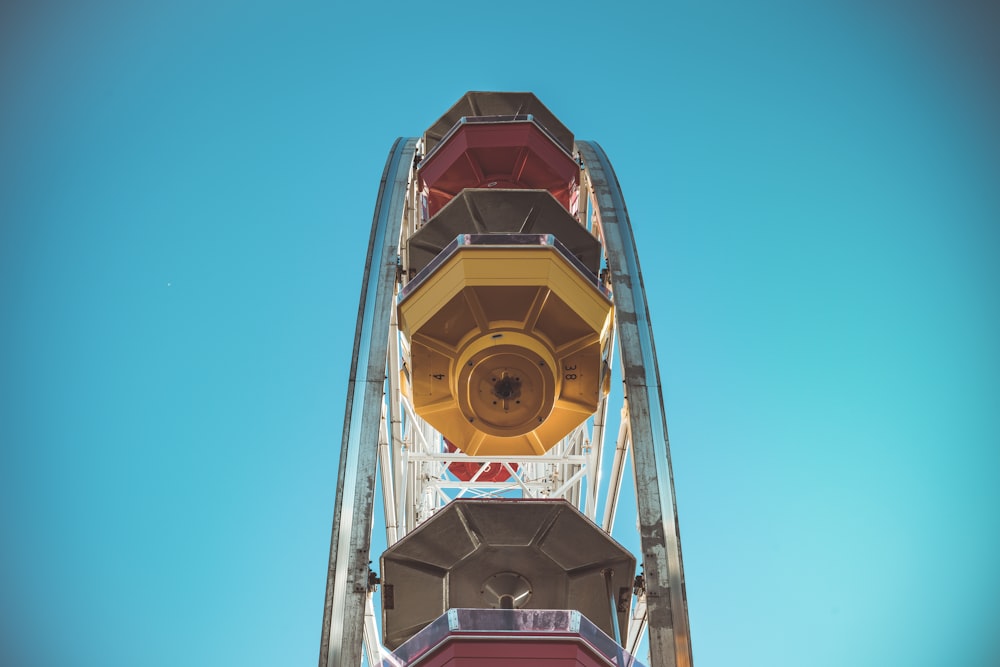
x,y
501,301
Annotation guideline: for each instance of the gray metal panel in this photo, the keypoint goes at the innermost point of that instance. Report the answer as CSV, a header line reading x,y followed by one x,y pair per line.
x,y
347,577
503,211
545,554
669,632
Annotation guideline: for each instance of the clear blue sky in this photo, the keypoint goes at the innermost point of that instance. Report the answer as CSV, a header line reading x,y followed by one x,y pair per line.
x,y
185,195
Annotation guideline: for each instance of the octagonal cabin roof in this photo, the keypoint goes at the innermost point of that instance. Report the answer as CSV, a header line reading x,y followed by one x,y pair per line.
x,y
480,103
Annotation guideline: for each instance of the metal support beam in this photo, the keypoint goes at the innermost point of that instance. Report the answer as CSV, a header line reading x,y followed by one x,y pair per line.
x,y
388,490
596,455
396,430
617,472
637,624
373,642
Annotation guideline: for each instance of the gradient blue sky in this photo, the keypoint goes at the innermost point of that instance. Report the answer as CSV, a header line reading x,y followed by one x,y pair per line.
x,y
185,195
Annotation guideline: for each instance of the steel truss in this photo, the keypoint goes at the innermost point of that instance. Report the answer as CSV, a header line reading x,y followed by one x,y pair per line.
x,y
383,433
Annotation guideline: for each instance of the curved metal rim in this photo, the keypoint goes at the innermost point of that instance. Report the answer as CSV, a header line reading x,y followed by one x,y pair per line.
x,y
347,576
669,634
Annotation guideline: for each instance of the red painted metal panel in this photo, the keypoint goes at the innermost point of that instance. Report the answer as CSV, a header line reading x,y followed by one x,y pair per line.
x,y
497,637
494,472
499,652
498,155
